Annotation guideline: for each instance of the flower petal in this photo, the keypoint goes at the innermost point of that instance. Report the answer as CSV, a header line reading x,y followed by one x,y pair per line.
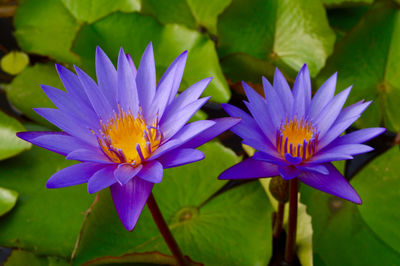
x,y
89,155
293,160
73,86
267,157
106,77
315,168
274,105
329,157
129,200
221,125
131,64
102,179
73,175
322,97
333,183
127,92
348,149
283,90
249,169
180,157
288,172
126,172
152,172
359,136
193,129
301,92
146,78
180,67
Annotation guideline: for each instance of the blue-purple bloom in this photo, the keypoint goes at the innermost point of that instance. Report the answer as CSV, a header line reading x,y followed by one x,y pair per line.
x,y
125,129
298,136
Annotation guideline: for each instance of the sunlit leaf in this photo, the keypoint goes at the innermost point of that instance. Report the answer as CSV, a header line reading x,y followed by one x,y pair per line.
x,y
14,62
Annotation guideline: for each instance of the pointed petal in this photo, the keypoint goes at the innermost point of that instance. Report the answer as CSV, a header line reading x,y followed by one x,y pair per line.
x,y
180,157
180,68
132,65
315,168
73,175
283,90
348,149
127,94
249,169
166,147
193,129
288,172
359,136
129,200
322,97
301,87
328,157
146,78
126,172
221,125
152,172
274,105
73,86
106,77
102,179
93,155
293,160
333,183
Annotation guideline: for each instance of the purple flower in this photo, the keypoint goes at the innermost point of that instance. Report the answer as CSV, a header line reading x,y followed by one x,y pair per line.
x,y
126,129
297,136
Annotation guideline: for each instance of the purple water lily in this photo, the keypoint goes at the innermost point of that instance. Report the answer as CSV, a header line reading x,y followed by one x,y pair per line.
x,y
125,129
298,136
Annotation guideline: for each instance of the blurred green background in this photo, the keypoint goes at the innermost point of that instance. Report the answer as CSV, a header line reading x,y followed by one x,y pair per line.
x,y
215,222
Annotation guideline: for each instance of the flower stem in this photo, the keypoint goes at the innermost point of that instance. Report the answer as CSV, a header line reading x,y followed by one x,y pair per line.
x,y
164,230
279,220
292,226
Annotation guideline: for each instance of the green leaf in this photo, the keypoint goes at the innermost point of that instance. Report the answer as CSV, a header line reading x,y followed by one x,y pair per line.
x,y
46,221
25,93
284,33
169,41
209,230
337,3
22,257
8,198
10,144
368,57
90,11
378,185
340,229
14,62
46,27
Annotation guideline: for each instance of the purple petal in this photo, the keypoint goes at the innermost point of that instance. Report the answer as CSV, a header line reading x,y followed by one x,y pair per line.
x,y
68,124
288,172
331,111
132,65
325,157
248,127
315,168
249,169
258,108
106,77
127,94
169,145
274,105
126,172
102,179
359,136
262,146
58,142
283,90
152,172
301,92
293,160
267,157
96,97
146,78
180,67
348,149
129,200
172,124
180,157
193,129
221,125
73,175
188,96
93,155
323,96
333,183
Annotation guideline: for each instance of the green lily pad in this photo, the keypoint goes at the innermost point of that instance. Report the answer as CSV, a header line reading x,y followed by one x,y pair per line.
x,y
25,93
46,27
379,188
338,3
14,62
10,144
22,257
340,229
90,11
368,57
284,33
169,41
46,221
8,198
209,230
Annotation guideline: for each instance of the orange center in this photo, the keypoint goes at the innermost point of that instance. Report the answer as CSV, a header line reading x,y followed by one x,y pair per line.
x,y
298,138
126,139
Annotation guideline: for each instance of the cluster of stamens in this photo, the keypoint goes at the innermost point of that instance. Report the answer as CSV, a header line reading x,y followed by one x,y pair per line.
x,y
126,139
298,138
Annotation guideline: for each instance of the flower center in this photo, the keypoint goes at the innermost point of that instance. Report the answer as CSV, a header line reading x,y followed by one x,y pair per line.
x,y
126,139
297,137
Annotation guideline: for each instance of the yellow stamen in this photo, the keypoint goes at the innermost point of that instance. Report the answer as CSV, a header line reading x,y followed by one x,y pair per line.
x,y
298,138
126,139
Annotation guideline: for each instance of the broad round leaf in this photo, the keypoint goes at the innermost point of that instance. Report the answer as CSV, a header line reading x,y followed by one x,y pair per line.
x,y
8,198
14,62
